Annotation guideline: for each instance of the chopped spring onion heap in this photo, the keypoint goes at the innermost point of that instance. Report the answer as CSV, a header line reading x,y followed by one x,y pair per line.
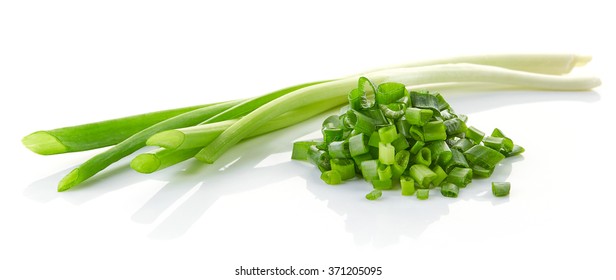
x,y
390,136
365,138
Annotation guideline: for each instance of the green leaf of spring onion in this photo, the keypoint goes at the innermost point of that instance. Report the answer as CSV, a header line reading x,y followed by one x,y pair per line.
x,y
345,167
339,149
483,156
369,170
374,194
389,92
460,176
387,153
434,130
474,134
418,116
424,157
408,185
422,175
449,190
423,194
500,189
382,184
331,177
388,134
300,149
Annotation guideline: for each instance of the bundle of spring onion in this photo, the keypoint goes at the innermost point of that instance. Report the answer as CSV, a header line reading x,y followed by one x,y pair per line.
x,y
387,134
207,131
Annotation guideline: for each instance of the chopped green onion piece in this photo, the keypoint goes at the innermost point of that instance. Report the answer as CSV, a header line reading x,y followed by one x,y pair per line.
x,y
448,114
369,170
454,127
374,139
331,177
434,130
495,143
377,116
345,167
388,134
417,116
393,111
441,152
440,175
501,188
402,158
389,92
417,146
416,133
361,158
319,158
463,144
332,134
339,149
408,185
332,121
423,194
507,142
331,129
424,100
457,160
422,175
450,190
374,195
384,172
368,94
515,151
358,144
440,101
396,171
400,143
322,146
481,172
460,176
300,149
403,127
355,99
474,134
374,152
483,156
424,157
363,124
387,153
384,184
463,117
347,120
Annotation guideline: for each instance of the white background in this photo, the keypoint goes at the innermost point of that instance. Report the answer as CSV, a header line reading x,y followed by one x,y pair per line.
x,y
70,62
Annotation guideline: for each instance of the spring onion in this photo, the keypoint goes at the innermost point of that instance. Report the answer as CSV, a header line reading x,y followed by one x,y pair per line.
x,y
483,156
450,190
447,159
345,167
408,185
358,144
331,177
378,100
460,176
162,158
501,188
418,75
99,134
374,194
422,194
424,157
